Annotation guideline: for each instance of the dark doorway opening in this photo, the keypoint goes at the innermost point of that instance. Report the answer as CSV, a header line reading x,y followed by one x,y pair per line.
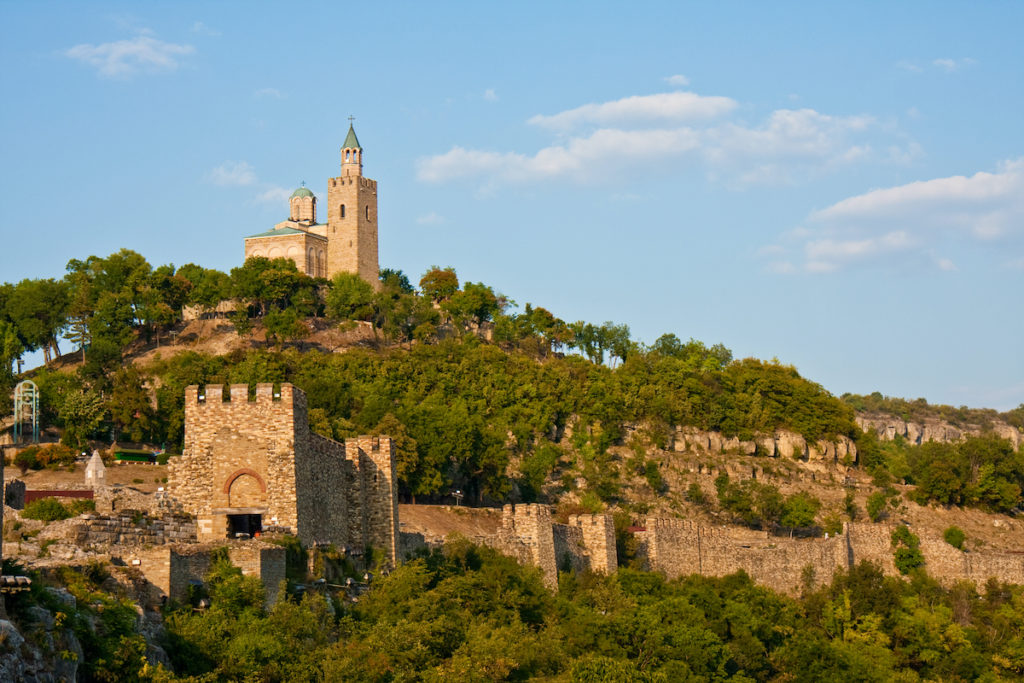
x,y
244,524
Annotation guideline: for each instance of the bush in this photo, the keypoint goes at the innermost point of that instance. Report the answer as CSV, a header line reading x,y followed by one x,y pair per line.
x,y
908,555
46,510
28,460
56,455
876,505
79,505
955,536
695,494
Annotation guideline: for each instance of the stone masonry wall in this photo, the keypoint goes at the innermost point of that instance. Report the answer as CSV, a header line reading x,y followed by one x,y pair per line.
x,y
237,439
526,534
598,541
172,568
320,476
129,528
258,456
680,548
378,482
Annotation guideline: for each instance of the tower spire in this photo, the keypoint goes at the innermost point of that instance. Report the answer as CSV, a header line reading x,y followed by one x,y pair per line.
x,y
351,152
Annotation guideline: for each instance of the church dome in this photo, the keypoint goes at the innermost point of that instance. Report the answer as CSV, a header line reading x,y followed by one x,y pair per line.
x,y
302,192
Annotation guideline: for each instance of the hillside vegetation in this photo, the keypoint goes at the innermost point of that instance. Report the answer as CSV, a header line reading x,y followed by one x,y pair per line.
x,y
479,396
468,613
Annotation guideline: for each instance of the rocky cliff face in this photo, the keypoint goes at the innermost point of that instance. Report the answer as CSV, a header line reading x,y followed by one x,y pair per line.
x,y
779,444
888,427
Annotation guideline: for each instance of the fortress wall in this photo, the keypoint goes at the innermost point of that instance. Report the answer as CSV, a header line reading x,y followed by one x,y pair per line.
x,y
129,529
569,553
380,484
319,474
171,569
526,533
258,456
598,542
224,437
672,546
871,542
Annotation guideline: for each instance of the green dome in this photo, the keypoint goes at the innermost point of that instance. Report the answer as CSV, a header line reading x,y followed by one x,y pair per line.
x,y
301,192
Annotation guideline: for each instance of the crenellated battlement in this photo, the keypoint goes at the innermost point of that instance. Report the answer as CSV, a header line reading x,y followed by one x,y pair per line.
x,y
250,458
359,181
210,395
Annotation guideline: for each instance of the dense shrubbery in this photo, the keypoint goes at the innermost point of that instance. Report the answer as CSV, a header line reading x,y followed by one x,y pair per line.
x,y
52,509
453,404
468,613
760,505
980,471
920,410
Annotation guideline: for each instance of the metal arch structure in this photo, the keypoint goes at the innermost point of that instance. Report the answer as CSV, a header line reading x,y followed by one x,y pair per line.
x,y
26,409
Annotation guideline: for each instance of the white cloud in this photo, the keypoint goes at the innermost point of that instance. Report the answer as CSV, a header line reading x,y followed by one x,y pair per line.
x,y
431,218
233,173
580,157
125,58
662,107
274,195
950,65
946,64
202,29
272,93
681,128
678,79
490,95
917,218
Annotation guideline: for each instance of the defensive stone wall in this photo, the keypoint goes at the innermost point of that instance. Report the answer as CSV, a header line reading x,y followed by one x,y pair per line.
x,y
111,500
527,533
372,497
679,548
133,528
257,456
597,542
171,569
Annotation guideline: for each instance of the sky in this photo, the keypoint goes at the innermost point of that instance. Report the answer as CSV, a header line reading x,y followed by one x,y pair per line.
x,y
838,186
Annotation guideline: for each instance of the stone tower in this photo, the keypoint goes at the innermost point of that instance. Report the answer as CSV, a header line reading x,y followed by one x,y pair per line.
x,y
352,216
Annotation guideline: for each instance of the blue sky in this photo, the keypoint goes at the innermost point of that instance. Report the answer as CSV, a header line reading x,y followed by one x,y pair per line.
x,y
837,186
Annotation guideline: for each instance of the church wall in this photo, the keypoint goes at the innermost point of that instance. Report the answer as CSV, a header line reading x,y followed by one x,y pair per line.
x,y
292,246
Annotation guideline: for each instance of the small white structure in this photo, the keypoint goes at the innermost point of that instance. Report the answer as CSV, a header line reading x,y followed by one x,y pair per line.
x,y
95,471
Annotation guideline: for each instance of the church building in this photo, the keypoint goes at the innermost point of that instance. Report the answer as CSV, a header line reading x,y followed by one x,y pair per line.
x,y
346,242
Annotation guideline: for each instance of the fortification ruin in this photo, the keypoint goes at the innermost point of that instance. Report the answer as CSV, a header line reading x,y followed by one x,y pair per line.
x,y
251,464
676,547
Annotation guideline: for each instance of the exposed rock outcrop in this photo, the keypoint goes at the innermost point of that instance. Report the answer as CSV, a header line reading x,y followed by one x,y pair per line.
x,y
888,427
782,443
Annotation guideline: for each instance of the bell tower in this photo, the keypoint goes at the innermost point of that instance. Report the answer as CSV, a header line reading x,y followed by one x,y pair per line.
x,y
352,216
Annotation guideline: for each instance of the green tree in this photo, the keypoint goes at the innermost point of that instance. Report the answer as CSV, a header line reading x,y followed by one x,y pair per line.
x,y
350,298
130,405
907,547
876,505
439,284
800,510
38,309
